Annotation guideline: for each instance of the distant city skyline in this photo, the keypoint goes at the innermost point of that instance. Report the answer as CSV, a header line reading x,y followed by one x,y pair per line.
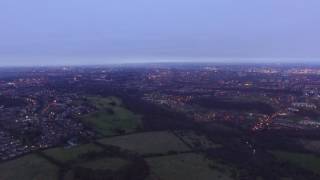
x,y
81,32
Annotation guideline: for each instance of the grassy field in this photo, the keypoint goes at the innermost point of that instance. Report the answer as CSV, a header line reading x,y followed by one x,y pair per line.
x,y
147,143
30,167
111,118
71,154
187,166
197,141
306,161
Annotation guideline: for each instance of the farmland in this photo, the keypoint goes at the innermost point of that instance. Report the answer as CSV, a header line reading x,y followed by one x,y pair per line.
x,y
148,143
162,151
111,117
64,155
184,166
307,161
30,167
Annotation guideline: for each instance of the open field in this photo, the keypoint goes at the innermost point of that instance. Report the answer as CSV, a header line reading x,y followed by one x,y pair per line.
x,y
111,118
71,154
30,167
306,161
187,166
148,143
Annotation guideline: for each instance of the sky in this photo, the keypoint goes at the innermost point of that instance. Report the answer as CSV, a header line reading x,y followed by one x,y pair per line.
x,y
42,32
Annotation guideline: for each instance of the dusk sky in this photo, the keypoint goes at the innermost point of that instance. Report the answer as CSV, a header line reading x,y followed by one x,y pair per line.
x,y
41,32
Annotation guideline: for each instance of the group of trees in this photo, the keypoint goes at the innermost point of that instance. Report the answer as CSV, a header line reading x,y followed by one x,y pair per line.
x,y
136,169
261,164
252,106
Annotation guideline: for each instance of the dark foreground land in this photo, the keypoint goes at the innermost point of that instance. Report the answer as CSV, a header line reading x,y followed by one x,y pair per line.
x,y
169,122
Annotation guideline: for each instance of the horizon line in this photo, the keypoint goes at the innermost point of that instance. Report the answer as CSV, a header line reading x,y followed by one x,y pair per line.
x,y
154,63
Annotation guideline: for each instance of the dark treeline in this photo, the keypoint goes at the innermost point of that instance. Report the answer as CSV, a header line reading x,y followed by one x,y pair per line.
x,y
158,118
258,165
290,133
11,102
136,169
217,103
